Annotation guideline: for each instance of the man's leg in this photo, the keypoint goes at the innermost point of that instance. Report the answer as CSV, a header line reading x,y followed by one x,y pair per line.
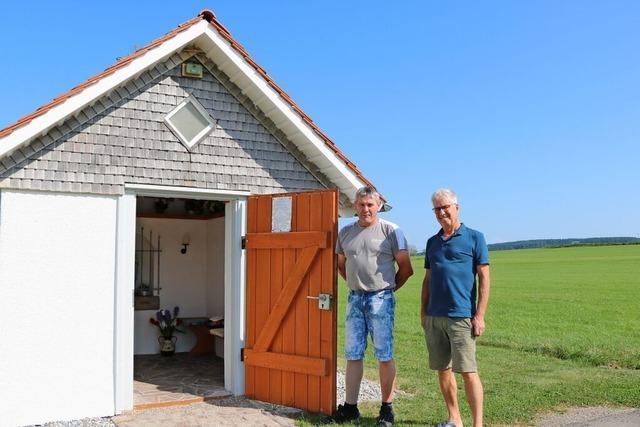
x,y
464,361
354,348
353,378
449,389
475,396
380,317
387,372
355,345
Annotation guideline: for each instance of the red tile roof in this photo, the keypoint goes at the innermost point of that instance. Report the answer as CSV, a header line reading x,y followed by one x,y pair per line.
x,y
210,17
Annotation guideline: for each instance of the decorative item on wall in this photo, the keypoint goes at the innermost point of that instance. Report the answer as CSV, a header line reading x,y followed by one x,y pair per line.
x,y
186,241
147,270
167,324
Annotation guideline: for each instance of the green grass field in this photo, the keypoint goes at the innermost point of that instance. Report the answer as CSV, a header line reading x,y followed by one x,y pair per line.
x,y
563,329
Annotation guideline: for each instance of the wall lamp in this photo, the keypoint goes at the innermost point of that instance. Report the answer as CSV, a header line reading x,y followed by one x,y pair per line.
x,y
186,241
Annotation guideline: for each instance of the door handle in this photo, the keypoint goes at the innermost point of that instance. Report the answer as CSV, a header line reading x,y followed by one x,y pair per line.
x,y
324,301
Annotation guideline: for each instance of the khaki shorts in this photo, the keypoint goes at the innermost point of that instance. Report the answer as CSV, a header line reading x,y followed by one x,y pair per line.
x,y
451,343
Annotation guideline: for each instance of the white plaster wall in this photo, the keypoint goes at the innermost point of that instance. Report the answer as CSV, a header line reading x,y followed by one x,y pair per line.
x,y
184,278
57,274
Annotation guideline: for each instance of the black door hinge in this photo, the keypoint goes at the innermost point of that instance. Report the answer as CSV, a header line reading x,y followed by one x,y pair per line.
x,y
242,354
243,242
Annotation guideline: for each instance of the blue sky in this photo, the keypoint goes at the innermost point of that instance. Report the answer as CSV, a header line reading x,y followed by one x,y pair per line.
x,y
528,109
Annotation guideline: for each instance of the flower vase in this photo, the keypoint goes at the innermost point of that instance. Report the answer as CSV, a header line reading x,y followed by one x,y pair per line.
x,y
167,345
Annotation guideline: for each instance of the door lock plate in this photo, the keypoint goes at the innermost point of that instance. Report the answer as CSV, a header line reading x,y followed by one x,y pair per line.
x,y
324,301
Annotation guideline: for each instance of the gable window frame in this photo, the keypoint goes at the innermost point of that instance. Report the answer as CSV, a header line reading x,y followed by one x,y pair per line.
x,y
192,143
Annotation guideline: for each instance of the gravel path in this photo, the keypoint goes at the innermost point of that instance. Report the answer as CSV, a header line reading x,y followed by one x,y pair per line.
x,y
234,411
369,390
84,422
239,411
592,417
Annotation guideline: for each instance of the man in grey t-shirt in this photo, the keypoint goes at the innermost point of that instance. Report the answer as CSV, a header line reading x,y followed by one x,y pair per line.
x,y
368,251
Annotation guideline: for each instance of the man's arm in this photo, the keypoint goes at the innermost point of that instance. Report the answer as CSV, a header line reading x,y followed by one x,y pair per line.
x,y
484,285
342,266
405,270
424,299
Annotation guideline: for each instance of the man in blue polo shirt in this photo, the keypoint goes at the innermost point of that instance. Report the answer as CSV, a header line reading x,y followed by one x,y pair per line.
x,y
453,306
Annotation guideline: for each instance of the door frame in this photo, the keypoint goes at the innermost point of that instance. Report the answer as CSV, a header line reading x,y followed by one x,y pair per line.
x,y
234,284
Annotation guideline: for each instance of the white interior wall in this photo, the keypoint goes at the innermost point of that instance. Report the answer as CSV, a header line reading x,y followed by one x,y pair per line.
x,y
57,266
215,274
185,279
215,267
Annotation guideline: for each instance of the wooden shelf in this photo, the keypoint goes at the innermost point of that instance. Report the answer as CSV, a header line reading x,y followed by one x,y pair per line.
x,y
147,303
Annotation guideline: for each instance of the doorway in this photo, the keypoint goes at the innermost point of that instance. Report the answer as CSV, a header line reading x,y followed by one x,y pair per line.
x,y
179,268
194,261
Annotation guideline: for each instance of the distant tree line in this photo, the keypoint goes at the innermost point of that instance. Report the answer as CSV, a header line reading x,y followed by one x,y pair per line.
x,y
557,243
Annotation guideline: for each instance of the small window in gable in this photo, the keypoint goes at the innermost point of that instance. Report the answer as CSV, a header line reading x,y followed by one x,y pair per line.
x,y
190,122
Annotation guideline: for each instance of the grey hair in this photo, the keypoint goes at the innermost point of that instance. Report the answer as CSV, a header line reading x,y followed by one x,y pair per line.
x,y
450,195
367,191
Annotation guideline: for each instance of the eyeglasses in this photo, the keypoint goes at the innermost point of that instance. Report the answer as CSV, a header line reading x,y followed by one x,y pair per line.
x,y
441,208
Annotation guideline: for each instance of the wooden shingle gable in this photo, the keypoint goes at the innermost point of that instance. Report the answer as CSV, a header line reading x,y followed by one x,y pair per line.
x,y
291,124
124,140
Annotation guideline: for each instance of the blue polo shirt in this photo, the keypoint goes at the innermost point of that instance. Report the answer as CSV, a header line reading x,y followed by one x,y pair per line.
x,y
453,262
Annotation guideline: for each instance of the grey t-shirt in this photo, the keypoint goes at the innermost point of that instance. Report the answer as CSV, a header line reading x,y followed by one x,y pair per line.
x,y
370,253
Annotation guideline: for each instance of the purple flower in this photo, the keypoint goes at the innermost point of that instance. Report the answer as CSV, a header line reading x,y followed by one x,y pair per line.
x,y
167,323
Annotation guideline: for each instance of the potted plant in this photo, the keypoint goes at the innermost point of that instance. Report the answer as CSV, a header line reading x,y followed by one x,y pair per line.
x,y
161,204
168,324
143,290
194,207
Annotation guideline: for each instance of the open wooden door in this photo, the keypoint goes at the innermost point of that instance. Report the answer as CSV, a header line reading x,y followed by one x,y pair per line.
x,y
290,348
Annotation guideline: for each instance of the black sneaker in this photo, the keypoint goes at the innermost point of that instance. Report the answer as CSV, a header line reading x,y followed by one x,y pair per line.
x,y
386,417
343,415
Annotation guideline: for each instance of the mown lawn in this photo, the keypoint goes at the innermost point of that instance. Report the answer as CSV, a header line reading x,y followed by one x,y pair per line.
x,y
563,329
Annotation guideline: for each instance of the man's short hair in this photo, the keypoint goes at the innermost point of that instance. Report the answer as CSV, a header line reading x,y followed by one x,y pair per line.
x,y
450,195
367,191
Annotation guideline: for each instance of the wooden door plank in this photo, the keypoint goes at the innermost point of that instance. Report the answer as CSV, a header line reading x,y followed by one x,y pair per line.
x,y
288,333
263,285
275,375
289,328
287,362
315,282
285,299
328,319
293,239
301,308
